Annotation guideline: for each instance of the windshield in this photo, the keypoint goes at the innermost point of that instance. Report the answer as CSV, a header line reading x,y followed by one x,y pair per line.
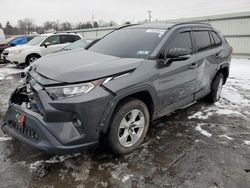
x,y
36,41
129,42
79,44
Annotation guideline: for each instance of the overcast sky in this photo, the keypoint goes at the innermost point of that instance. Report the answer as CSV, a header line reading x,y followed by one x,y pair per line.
x,y
117,10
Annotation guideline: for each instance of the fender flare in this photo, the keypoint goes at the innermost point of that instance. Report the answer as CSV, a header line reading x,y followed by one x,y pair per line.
x,y
222,66
108,113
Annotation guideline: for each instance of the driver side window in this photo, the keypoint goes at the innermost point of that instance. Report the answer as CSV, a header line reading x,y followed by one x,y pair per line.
x,y
53,40
180,40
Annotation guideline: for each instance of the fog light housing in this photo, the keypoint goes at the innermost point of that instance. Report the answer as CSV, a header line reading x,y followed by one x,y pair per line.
x,y
76,122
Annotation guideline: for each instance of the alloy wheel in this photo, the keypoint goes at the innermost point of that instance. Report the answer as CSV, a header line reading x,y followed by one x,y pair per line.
x,y
131,128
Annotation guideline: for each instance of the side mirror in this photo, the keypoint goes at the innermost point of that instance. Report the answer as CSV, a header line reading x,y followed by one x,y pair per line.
x,y
12,44
178,54
46,44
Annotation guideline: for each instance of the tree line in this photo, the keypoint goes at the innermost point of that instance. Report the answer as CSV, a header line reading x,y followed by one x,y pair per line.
x,y
27,26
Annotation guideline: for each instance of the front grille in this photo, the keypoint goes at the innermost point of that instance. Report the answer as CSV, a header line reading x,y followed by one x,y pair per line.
x,y
26,131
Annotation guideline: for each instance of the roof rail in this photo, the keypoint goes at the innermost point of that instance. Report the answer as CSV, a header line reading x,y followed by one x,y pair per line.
x,y
58,32
193,22
127,25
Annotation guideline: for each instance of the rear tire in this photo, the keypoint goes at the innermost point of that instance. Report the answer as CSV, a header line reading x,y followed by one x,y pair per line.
x,y
128,127
216,88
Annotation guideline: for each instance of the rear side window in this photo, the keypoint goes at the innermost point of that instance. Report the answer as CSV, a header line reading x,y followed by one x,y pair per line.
x,y
181,40
68,38
202,39
216,38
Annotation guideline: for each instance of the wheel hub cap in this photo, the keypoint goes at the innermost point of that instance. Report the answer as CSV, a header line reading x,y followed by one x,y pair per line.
x,y
131,128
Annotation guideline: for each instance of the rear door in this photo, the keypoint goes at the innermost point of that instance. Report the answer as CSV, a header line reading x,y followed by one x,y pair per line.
x,y
177,81
209,55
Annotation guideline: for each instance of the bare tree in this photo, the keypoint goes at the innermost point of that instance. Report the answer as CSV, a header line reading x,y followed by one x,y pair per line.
x,y
50,25
25,26
65,26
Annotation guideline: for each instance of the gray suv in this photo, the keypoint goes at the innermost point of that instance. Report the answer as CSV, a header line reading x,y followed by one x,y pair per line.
x,y
112,90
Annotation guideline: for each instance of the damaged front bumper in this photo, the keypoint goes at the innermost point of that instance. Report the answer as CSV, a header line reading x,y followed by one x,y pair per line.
x,y
53,125
35,134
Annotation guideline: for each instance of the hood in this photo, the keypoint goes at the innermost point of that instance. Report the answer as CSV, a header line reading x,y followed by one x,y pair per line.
x,y
81,65
19,47
3,44
3,47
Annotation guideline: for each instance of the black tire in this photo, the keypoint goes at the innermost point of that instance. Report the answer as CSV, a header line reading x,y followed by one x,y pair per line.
x,y
215,88
30,58
120,113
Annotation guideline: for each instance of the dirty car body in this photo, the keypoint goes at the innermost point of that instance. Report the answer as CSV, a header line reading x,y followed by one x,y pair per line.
x,y
67,100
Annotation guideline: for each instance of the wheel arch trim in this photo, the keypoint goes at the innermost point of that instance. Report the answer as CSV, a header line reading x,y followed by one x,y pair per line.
x,y
108,113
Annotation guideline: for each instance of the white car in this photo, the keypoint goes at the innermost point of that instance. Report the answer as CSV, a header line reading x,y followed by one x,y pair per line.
x,y
41,45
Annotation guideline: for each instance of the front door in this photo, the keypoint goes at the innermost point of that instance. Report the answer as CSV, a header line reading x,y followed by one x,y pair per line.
x,y
177,81
54,45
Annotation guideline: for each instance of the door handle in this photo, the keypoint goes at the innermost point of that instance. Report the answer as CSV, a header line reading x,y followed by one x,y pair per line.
x,y
193,65
217,55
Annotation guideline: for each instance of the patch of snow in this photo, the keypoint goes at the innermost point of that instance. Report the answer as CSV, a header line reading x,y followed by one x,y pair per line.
x,y
228,112
126,178
247,142
8,70
2,139
33,166
233,96
53,160
58,159
227,137
202,131
239,67
201,115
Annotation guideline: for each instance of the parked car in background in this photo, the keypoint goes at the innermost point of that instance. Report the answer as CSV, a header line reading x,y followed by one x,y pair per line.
x,y
82,43
14,41
39,46
113,89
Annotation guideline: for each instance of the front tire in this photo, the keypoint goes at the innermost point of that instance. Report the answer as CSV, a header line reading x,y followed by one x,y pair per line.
x,y
31,58
128,127
216,88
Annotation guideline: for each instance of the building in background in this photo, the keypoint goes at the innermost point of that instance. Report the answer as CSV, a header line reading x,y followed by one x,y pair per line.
x,y
235,28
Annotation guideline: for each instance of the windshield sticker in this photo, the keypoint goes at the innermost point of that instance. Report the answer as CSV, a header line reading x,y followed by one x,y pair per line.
x,y
141,52
157,31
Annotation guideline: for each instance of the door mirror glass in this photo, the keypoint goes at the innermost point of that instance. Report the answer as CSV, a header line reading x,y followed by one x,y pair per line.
x,y
46,44
178,54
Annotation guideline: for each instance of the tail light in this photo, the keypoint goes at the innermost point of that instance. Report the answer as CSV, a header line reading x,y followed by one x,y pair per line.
x,y
231,50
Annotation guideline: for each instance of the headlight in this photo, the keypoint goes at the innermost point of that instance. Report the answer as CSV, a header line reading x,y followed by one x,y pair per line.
x,y
15,51
72,90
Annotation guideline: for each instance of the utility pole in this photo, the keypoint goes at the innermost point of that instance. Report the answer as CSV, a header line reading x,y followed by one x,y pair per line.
x,y
93,19
149,15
